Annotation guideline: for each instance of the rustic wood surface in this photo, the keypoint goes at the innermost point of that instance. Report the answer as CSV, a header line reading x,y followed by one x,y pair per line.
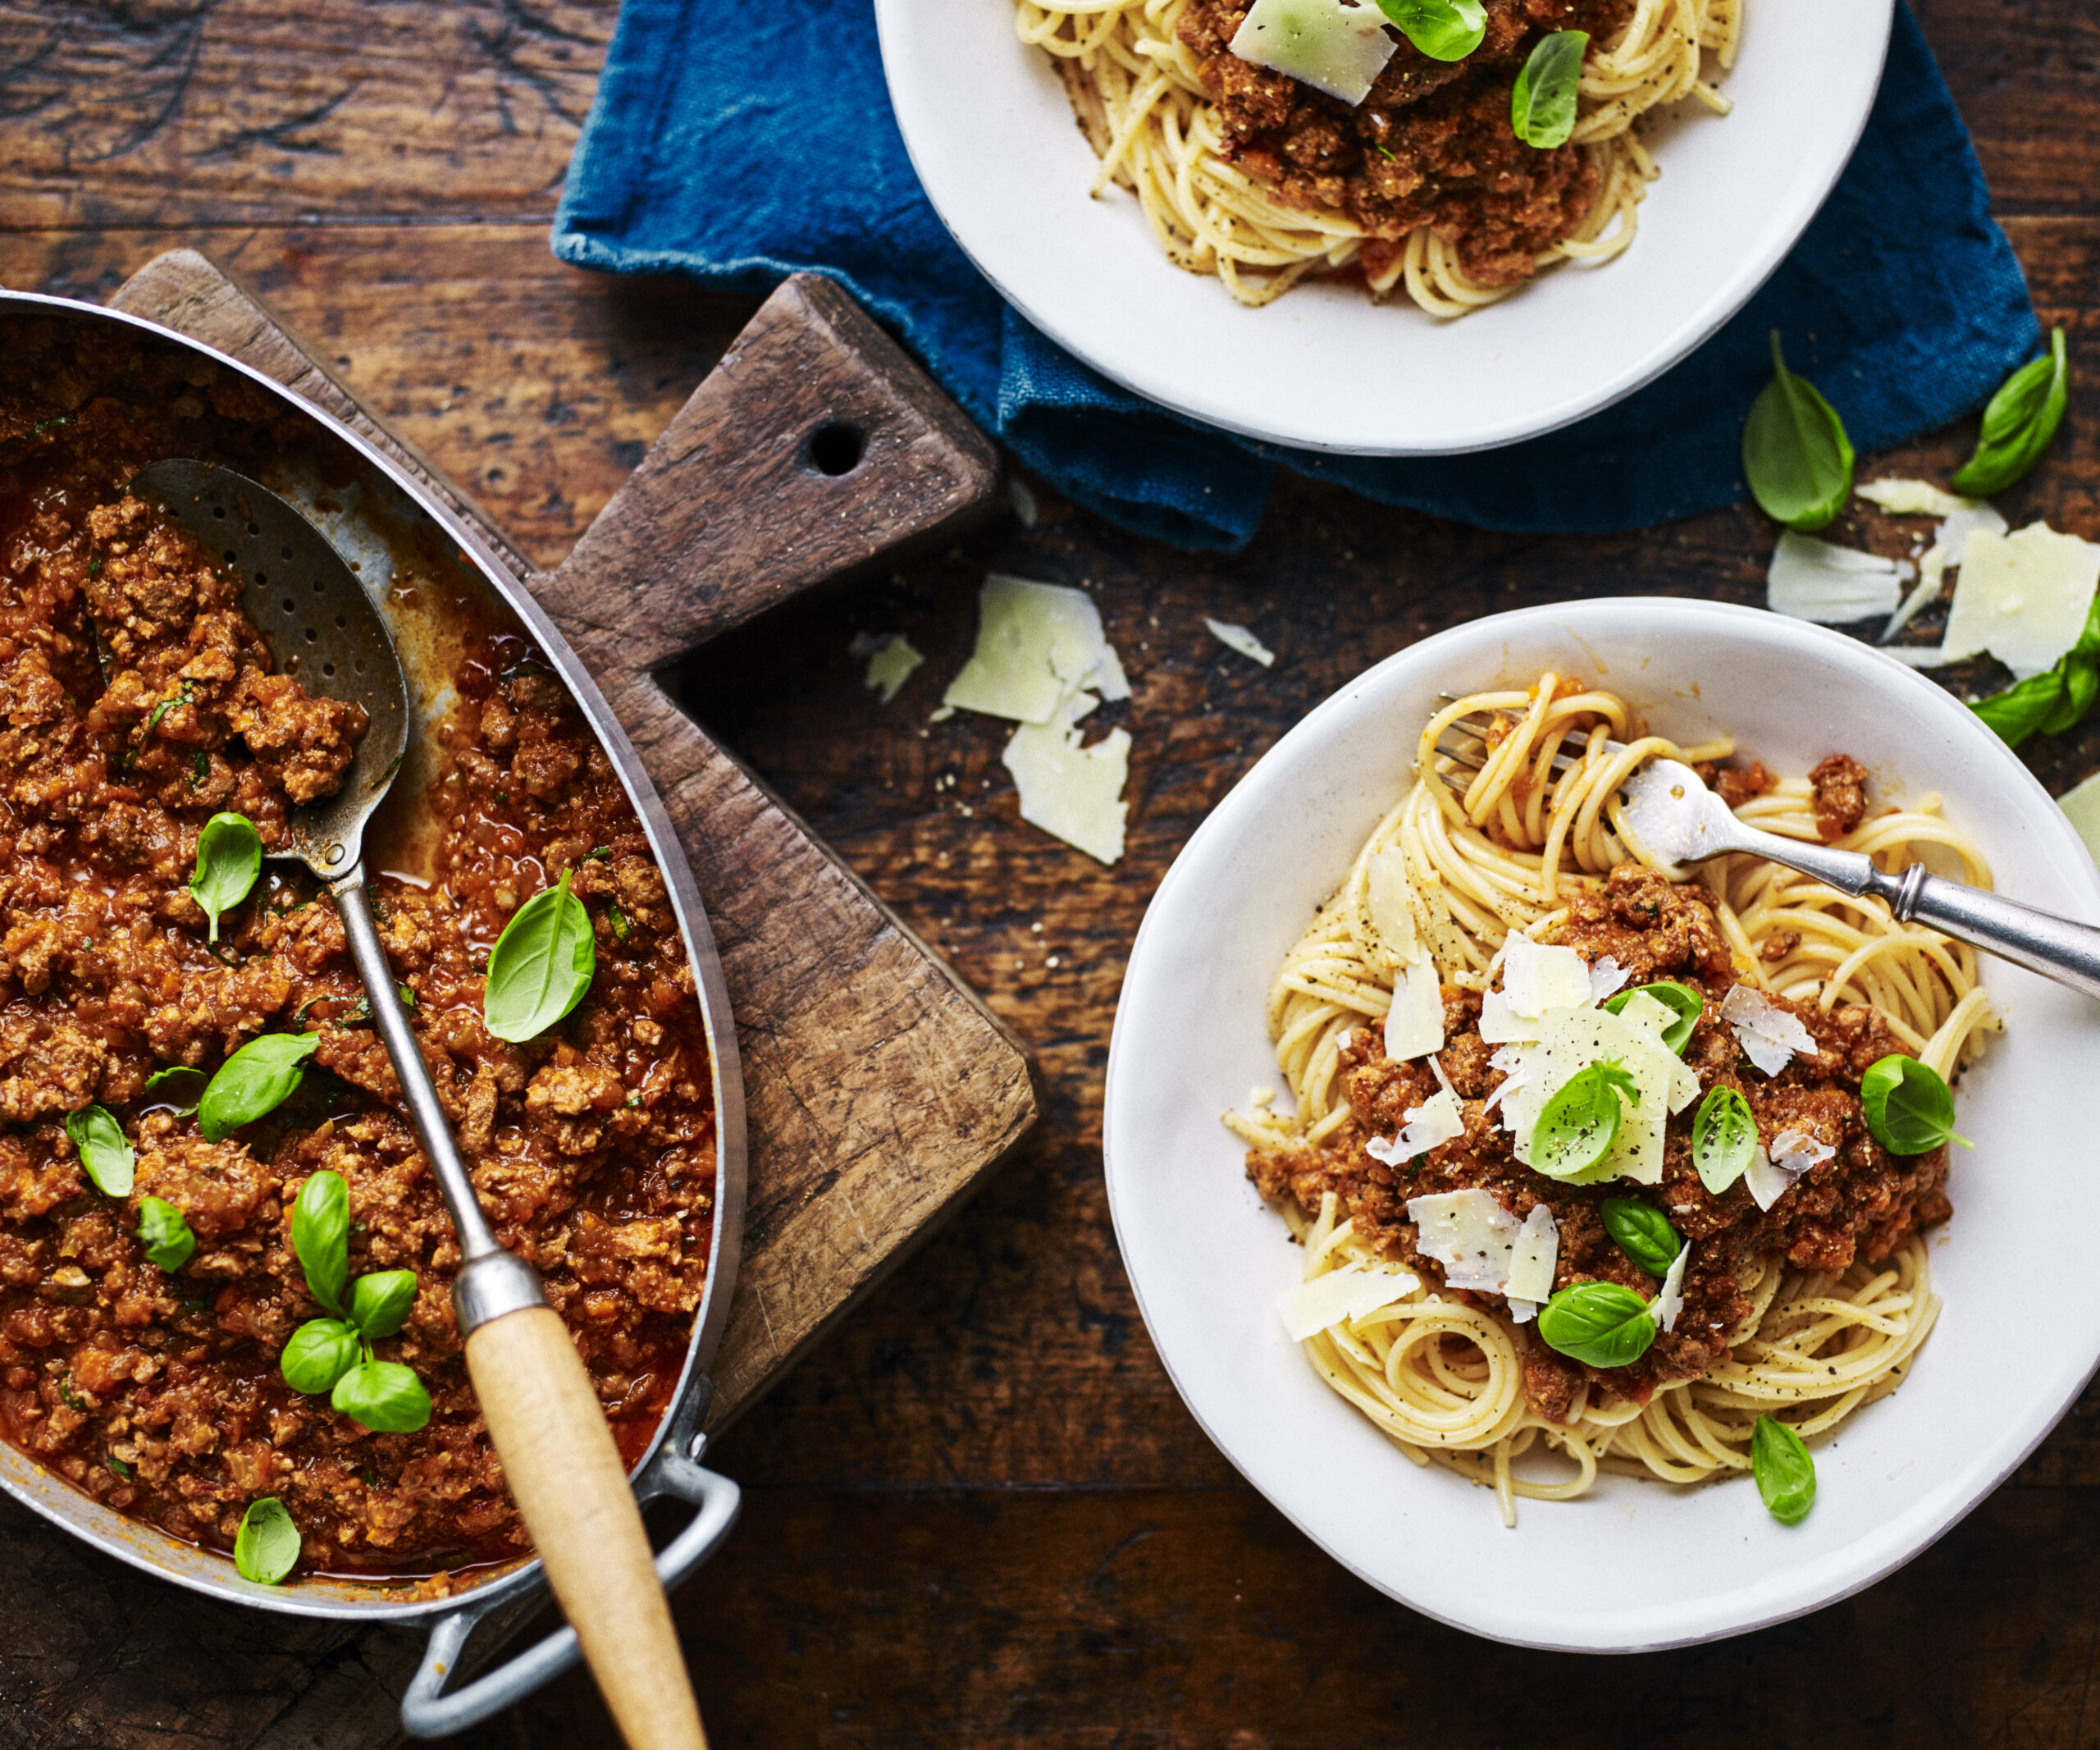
x,y
977,1513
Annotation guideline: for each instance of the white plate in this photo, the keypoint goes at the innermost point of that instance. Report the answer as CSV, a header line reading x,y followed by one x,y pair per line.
x,y
993,141
1636,1565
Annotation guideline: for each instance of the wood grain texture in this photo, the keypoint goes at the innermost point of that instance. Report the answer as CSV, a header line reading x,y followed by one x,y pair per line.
x,y
564,1473
977,1513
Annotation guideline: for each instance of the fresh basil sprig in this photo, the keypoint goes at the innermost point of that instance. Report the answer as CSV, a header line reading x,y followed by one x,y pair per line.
x,y
1600,1324
1795,453
542,964
2022,417
1785,1472
1580,1123
1643,1233
1685,1002
2057,699
1542,106
1442,30
1910,1109
229,858
253,1082
178,1087
167,1236
267,1548
334,1354
1723,1138
105,1150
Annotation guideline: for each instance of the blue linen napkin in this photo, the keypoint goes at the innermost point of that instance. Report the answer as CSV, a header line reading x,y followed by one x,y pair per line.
x,y
740,156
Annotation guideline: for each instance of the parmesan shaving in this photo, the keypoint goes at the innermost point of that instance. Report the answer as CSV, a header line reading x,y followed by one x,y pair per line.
x,y
1470,1234
1074,793
1572,1039
1501,1024
1340,47
1531,1262
1389,897
1240,638
2024,597
1769,1177
1535,978
1414,1024
1038,644
1670,1302
1913,498
1769,1036
1340,1295
891,662
1606,978
1436,1121
1811,579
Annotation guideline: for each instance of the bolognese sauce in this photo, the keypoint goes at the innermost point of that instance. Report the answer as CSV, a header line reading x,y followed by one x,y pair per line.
x,y
140,700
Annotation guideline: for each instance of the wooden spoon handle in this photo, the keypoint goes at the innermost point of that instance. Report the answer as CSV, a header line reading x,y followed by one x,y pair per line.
x,y
564,1473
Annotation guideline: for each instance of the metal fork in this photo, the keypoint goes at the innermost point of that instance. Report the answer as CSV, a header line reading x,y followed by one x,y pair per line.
x,y
1667,809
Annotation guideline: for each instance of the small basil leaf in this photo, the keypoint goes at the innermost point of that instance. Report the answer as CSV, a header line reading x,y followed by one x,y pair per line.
x,y
320,1352
1643,1233
253,1082
168,1240
2081,677
1795,453
229,858
267,1546
2021,419
386,1397
1785,1472
1580,1123
1600,1324
1910,1109
380,1303
1686,1002
541,966
178,1087
105,1150
1723,1138
320,1235
1442,30
1542,107
2022,710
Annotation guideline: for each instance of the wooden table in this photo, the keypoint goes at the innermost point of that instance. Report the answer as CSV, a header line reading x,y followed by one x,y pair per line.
x,y
978,1514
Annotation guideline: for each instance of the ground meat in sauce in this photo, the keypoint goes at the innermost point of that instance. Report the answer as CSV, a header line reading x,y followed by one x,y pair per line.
x,y
1431,144
1860,1203
1841,795
139,700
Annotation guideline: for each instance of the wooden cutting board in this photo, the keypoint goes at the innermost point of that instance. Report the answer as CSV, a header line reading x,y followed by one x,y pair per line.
x,y
878,1087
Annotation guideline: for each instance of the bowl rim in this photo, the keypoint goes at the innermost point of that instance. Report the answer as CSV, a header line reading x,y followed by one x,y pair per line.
x,y
915,91
1656,613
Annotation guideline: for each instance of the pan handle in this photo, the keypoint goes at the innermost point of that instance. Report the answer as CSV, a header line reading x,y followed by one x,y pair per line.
x,y
427,1711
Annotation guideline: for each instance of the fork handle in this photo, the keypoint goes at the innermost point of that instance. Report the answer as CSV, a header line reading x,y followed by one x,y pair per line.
x,y
2055,946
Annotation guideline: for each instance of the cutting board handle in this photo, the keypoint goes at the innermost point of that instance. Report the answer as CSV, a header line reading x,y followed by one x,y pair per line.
x,y
813,446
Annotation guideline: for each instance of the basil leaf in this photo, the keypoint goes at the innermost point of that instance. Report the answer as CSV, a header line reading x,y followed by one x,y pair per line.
x,y
180,1088
320,1235
1785,1473
1643,1233
320,1352
1580,1123
2021,419
1795,453
253,1082
541,966
1910,1109
105,1150
267,1547
386,1397
1600,1324
168,1240
1688,1004
1723,1138
1542,107
1442,30
229,858
380,1303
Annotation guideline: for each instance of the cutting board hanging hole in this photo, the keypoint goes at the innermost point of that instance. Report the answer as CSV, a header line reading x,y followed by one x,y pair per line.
x,y
835,449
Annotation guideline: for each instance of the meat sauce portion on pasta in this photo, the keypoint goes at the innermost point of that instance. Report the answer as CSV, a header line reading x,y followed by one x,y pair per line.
x,y
139,702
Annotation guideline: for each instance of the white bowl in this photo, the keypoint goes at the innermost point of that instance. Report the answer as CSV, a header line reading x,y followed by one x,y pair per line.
x,y
1637,1565
992,136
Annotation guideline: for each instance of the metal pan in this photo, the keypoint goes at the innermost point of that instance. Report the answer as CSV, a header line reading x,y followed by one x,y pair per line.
x,y
430,574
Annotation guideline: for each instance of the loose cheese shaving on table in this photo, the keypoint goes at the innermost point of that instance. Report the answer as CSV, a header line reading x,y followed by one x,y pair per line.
x,y
1950,544
1240,638
2024,597
892,662
1913,498
1815,580
1349,1293
1037,644
1073,792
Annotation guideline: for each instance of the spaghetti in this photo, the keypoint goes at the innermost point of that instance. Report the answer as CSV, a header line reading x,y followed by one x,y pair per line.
x,y
1445,1379
1138,89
